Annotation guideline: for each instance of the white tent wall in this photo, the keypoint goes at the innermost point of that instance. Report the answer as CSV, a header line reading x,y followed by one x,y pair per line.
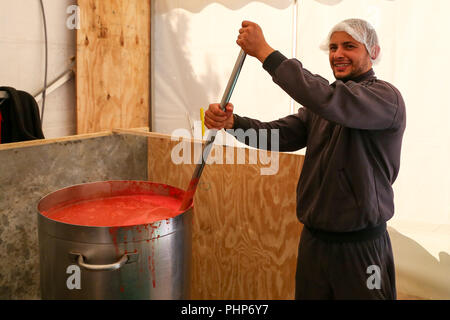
x,y
194,50
415,59
22,57
193,53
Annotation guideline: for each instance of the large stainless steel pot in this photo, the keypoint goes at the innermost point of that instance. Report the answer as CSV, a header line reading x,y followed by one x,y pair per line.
x,y
150,261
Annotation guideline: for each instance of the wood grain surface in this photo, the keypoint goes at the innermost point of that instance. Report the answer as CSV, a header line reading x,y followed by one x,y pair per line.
x,y
113,65
245,230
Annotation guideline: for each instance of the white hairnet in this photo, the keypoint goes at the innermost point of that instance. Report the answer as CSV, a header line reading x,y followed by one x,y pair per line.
x,y
362,31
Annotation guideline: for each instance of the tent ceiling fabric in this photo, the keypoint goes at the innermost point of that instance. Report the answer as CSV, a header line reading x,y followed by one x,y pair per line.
x,y
196,6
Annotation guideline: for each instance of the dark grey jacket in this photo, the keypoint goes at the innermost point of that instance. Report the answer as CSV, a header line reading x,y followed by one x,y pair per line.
x,y
353,134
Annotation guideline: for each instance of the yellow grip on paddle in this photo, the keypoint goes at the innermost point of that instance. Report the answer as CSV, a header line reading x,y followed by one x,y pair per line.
x,y
202,117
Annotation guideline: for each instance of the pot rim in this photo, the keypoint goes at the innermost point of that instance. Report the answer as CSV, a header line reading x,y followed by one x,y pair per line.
x,y
107,234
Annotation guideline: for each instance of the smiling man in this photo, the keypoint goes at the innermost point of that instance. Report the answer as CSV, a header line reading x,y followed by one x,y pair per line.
x,y
352,130
348,57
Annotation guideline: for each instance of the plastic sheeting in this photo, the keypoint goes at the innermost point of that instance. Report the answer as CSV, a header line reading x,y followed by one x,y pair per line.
x,y
414,59
193,53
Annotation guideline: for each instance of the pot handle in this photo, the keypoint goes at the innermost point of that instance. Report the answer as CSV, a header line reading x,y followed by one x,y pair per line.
x,y
101,267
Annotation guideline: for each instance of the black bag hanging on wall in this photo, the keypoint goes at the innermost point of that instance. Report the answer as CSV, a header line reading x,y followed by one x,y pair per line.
x,y
19,117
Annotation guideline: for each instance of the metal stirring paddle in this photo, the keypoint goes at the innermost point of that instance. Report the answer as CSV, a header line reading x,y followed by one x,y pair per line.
x,y
190,192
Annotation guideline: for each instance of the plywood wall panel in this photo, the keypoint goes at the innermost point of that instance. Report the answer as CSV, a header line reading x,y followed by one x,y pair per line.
x,y
113,65
245,231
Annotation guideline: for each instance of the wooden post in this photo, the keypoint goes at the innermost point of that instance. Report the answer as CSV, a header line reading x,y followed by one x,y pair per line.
x,y
113,65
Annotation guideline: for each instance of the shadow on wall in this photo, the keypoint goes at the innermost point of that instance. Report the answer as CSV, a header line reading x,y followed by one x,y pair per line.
x,y
180,88
197,5
419,273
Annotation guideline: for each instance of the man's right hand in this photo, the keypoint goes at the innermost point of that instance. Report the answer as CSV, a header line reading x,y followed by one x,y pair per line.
x,y
251,40
215,118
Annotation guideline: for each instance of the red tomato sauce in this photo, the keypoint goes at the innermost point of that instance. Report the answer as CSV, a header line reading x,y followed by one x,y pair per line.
x,y
118,211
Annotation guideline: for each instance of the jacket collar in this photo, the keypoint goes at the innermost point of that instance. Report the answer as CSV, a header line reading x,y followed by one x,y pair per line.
x,y
362,77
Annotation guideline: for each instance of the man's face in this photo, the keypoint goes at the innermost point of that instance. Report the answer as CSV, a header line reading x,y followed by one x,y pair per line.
x,y
348,57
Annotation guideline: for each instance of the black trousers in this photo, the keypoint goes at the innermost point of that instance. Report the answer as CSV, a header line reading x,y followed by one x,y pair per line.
x,y
351,267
